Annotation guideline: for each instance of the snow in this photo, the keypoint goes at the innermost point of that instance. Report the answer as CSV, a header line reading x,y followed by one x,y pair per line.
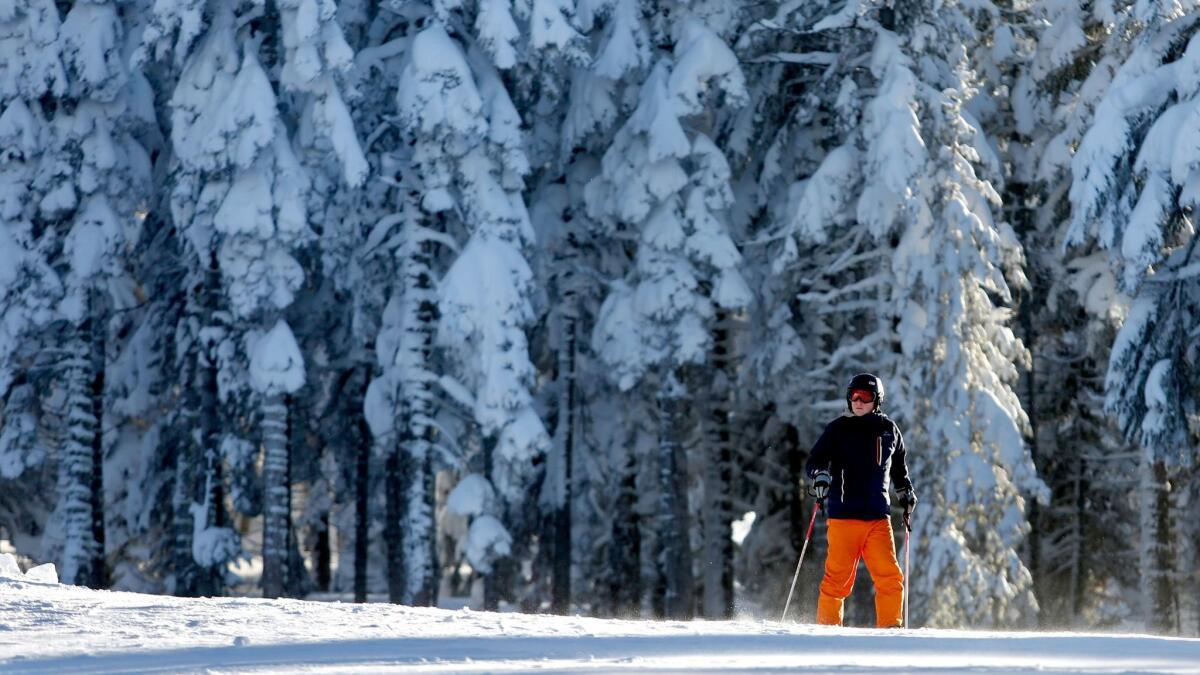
x,y
91,40
471,497
56,629
276,365
44,573
742,526
379,404
10,572
211,545
487,542
627,45
8,566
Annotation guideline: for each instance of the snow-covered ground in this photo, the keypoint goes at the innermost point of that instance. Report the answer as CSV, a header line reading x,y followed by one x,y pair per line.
x,y
50,628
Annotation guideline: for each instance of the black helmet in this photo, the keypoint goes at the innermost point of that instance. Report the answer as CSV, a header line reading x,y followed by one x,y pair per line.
x,y
866,382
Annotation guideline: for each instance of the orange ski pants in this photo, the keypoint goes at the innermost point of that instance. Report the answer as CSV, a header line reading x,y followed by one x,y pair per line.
x,y
869,540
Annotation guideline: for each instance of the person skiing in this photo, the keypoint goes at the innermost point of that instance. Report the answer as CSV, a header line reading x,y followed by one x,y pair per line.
x,y
851,466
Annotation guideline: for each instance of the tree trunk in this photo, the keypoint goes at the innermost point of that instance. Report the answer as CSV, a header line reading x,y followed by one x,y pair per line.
x,y
1158,588
187,460
1079,562
678,602
625,552
97,328
362,499
420,527
718,467
183,563
491,581
210,581
81,483
323,564
275,507
1021,215
295,578
560,588
395,478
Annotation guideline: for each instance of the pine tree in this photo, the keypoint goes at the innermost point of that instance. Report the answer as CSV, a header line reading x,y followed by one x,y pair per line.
x,y
898,208
276,370
29,288
670,190
1056,68
962,385
820,287
1130,196
204,64
90,177
468,155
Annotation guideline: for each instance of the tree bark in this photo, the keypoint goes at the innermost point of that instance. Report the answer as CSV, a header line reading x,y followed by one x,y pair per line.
x,y
183,563
276,489
678,602
323,564
1079,563
395,478
96,328
718,505
81,483
296,582
362,499
625,552
560,589
419,531
209,582
491,582
1158,588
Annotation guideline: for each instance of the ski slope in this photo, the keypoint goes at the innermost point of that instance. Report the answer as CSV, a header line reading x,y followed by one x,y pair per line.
x,y
50,628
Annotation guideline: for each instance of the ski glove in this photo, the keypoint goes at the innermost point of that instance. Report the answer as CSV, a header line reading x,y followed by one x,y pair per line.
x,y
821,481
908,499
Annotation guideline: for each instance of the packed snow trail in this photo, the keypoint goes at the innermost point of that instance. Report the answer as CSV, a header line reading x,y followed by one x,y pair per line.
x,y
50,628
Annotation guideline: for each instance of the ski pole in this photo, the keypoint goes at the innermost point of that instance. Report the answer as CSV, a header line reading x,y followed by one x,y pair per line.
x,y
907,579
803,550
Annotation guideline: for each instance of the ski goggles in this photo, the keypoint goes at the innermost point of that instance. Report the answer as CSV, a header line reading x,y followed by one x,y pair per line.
x,y
862,396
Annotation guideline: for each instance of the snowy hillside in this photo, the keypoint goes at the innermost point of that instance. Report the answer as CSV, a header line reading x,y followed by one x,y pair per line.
x,y
51,628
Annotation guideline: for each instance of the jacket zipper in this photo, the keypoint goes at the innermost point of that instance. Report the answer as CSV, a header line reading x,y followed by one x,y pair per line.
x,y
843,486
878,452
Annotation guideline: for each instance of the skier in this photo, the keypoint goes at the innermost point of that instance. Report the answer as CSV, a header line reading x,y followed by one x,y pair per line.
x,y
850,466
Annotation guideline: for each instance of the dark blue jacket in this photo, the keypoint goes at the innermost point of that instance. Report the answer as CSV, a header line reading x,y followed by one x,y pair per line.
x,y
864,455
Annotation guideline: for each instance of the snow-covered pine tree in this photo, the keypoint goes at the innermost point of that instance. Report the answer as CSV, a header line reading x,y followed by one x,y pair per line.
x,y
313,78
400,401
485,298
113,177
30,289
240,191
552,218
357,238
239,196
30,68
954,265
276,370
192,48
820,287
670,190
1132,195
400,406
591,469
89,180
1063,55
540,86
906,172
601,499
